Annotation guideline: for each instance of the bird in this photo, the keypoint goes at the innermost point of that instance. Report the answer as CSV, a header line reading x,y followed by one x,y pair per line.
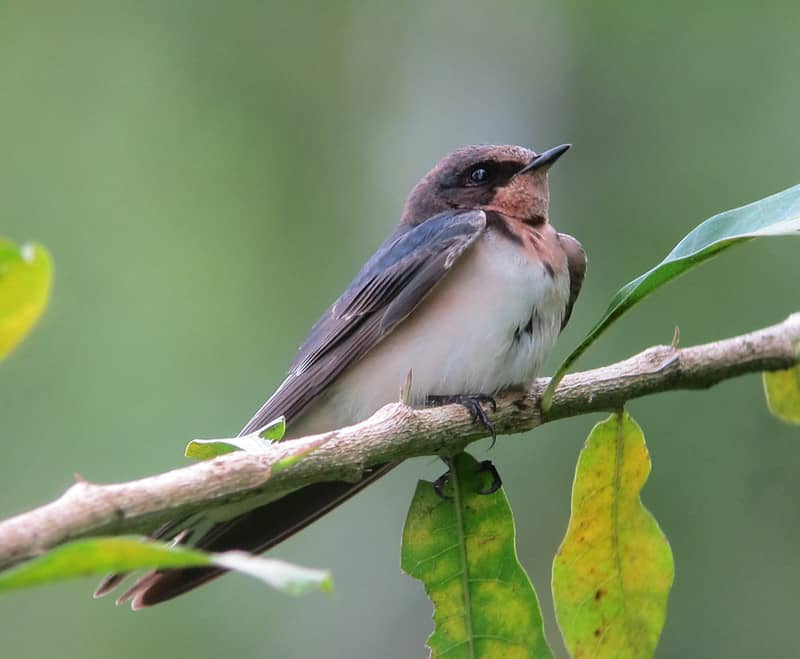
x,y
468,293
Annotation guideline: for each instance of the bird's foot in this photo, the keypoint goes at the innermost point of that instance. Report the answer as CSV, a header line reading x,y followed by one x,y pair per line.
x,y
497,482
486,465
474,404
438,486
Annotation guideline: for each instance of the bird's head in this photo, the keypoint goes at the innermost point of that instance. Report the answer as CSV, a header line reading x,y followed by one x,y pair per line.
x,y
511,180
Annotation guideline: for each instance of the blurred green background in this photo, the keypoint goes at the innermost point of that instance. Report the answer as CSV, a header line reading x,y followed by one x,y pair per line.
x,y
210,175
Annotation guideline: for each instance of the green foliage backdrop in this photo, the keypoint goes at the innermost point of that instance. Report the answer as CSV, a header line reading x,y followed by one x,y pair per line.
x,y
195,167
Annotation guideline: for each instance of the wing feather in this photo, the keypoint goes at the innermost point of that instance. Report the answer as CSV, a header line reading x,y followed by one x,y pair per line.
x,y
386,290
576,263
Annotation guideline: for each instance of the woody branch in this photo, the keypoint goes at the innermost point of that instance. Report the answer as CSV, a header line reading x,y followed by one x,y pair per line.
x,y
394,433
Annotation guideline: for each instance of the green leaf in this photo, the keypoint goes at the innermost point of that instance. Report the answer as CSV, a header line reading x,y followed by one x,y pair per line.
x,y
206,449
256,442
99,556
777,215
613,572
26,274
463,550
283,576
274,430
782,389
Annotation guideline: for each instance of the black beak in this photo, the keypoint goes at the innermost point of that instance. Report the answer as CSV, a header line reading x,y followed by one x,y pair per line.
x,y
545,159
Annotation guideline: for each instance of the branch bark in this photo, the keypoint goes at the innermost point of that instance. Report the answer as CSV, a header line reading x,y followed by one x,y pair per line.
x,y
395,432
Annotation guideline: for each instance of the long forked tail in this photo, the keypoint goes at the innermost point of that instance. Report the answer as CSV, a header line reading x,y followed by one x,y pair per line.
x,y
255,531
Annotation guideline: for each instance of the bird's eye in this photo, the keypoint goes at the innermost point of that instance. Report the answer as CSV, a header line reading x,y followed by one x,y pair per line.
x,y
479,175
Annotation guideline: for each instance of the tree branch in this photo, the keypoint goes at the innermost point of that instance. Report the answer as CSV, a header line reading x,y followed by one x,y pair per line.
x,y
394,433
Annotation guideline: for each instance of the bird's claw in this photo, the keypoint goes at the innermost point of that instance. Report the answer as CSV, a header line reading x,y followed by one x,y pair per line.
x,y
486,465
497,482
474,404
438,486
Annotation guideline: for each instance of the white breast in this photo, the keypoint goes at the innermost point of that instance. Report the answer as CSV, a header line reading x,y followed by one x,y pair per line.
x,y
467,337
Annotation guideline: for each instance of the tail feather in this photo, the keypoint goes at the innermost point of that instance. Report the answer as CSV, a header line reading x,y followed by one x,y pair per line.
x,y
110,582
255,531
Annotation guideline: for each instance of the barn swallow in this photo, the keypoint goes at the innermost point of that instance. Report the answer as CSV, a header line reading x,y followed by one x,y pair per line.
x,y
469,293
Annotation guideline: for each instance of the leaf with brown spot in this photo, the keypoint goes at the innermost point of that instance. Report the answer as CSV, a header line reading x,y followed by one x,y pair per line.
x,y
613,571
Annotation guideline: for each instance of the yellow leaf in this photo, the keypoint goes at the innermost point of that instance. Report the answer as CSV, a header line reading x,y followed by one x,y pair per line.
x,y
25,279
782,389
613,571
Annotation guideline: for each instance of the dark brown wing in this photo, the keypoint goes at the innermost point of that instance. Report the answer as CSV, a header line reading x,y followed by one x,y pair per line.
x,y
576,263
394,281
